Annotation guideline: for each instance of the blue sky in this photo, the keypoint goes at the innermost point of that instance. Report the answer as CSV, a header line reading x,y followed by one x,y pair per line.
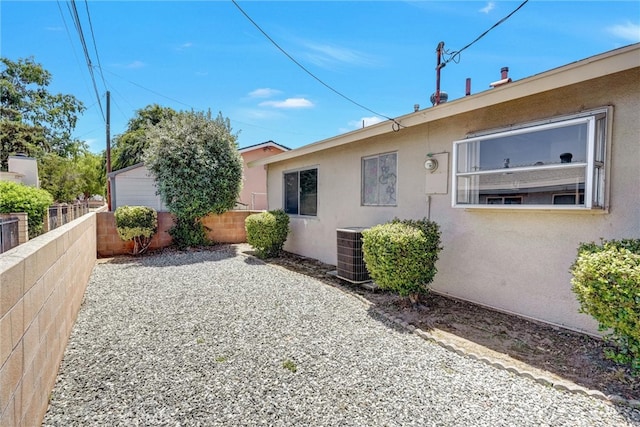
x,y
207,55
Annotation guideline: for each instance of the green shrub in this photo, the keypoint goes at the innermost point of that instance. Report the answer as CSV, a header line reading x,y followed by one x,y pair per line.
x,y
606,281
189,232
137,223
197,168
401,255
267,232
21,198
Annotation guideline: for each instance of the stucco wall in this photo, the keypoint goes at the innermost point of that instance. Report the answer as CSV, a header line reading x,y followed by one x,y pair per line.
x,y
254,180
515,261
42,283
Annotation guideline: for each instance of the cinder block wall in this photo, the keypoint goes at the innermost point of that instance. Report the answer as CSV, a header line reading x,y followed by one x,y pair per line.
x,y
110,244
225,228
228,227
42,283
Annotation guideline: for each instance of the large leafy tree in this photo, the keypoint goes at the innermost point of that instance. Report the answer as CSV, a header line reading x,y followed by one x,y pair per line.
x,y
32,119
198,170
128,148
93,173
66,178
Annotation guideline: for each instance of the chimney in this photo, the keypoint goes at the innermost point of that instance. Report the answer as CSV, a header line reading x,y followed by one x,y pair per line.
x,y
27,166
504,78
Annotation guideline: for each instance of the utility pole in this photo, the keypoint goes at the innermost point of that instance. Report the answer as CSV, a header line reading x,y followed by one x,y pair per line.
x,y
108,149
439,66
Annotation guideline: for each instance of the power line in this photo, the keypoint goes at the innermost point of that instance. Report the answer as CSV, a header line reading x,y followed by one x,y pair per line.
x,y
76,19
113,99
307,71
73,49
455,55
150,90
95,46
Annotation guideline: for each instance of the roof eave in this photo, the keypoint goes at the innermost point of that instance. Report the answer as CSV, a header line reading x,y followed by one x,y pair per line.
x,y
262,145
127,169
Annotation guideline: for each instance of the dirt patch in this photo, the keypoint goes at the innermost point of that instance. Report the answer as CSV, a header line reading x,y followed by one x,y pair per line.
x,y
570,356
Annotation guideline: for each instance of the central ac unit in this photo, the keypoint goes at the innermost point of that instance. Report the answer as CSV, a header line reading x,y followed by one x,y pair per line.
x,y
351,265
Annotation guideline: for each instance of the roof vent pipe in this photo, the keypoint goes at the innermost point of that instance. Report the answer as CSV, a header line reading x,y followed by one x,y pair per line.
x,y
504,77
467,91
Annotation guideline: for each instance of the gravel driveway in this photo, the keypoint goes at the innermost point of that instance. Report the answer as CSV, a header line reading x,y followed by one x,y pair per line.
x,y
215,338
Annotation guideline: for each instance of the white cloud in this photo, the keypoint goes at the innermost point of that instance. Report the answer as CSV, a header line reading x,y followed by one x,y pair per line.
x,y
261,114
264,93
135,64
181,47
132,65
488,8
627,31
326,55
288,103
365,121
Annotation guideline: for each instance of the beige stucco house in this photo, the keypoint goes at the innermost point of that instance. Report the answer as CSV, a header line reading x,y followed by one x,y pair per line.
x,y
135,185
517,176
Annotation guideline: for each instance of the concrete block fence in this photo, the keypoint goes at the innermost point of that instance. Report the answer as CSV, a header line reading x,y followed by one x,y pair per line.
x,y
225,228
42,283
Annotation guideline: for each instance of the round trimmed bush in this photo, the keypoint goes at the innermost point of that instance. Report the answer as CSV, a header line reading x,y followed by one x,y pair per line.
x,y
606,281
267,232
137,223
401,255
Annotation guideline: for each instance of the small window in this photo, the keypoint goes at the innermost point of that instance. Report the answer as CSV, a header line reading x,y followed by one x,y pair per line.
x,y
568,199
512,200
301,192
379,179
559,162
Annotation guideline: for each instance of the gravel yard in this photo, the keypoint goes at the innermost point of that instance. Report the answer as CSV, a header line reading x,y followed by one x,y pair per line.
x,y
215,338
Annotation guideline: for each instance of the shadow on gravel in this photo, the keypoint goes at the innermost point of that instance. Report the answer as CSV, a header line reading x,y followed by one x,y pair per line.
x,y
176,257
252,259
374,313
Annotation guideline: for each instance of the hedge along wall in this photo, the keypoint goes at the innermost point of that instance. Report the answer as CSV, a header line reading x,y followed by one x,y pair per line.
x,y
225,228
42,283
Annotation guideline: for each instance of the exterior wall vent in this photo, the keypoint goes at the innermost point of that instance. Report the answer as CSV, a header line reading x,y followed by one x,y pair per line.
x,y
351,265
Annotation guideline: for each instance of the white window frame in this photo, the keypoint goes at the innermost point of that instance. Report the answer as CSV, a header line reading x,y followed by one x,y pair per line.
x,y
596,170
394,177
284,191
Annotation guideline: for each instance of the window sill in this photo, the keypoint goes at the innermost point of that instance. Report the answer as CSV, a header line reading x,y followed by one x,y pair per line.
x,y
536,209
297,216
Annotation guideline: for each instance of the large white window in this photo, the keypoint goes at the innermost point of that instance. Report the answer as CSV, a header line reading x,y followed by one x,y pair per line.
x,y
379,179
301,192
558,164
